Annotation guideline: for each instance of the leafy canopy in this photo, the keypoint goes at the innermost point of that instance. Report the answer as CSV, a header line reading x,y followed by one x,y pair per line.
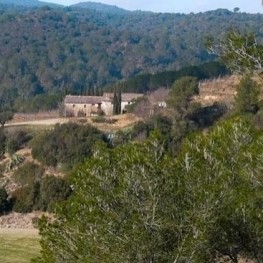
x,y
247,98
240,52
137,204
67,144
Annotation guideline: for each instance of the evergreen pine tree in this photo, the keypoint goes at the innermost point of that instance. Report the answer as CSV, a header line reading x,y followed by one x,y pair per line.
x,y
117,100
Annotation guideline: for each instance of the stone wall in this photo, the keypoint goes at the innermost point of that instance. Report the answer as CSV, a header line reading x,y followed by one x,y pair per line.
x,y
217,90
85,109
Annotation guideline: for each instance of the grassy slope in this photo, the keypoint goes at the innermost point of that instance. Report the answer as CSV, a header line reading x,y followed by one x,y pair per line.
x,y
18,246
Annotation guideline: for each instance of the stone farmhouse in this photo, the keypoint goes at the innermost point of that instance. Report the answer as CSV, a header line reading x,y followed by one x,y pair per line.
x,y
94,105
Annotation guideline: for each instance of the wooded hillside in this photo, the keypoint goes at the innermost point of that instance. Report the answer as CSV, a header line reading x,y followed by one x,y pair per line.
x,y
73,50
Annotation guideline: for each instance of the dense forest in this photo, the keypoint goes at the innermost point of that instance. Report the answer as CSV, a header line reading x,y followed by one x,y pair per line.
x,y
46,50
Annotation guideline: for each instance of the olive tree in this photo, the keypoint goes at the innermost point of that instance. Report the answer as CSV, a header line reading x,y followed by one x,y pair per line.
x,y
135,203
240,52
223,175
121,209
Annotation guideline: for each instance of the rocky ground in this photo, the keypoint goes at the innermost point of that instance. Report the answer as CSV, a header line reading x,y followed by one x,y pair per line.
x,y
20,221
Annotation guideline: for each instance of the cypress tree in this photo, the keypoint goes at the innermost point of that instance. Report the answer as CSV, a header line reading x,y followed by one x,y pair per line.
x,y
117,100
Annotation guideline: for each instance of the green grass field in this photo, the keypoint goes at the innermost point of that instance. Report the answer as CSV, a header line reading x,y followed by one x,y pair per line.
x,y
18,246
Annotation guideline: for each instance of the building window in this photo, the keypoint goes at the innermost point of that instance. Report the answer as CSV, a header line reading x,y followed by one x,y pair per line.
x,y
84,106
73,105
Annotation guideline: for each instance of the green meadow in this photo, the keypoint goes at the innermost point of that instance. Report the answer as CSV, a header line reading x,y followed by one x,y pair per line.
x,y
18,246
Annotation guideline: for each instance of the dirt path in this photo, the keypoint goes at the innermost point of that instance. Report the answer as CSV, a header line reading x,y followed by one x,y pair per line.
x,y
19,231
122,121
38,122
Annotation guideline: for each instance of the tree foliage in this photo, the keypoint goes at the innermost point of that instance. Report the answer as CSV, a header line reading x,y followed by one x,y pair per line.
x,y
137,204
2,142
182,107
28,174
5,116
4,202
227,163
247,98
52,190
144,83
124,197
41,194
181,93
67,144
16,139
46,53
240,52
142,130
117,100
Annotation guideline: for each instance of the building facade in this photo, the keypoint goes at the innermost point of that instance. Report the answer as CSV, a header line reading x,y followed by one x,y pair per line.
x,y
95,105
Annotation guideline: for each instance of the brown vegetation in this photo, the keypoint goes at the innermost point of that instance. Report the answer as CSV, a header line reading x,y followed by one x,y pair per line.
x,y
217,90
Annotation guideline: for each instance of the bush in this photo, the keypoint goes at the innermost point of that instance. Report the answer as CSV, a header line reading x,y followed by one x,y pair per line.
x,y
40,195
16,139
25,198
2,142
4,202
52,190
258,119
111,121
102,119
5,116
81,113
99,119
142,130
28,174
247,98
67,144
14,162
82,121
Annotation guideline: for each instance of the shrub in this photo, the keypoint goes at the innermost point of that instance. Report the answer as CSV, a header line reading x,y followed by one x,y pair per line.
x,y
40,195
102,119
258,119
2,142
52,189
67,144
16,139
81,113
99,119
247,98
25,198
28,174
4,202
111,121
82,121
15,161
